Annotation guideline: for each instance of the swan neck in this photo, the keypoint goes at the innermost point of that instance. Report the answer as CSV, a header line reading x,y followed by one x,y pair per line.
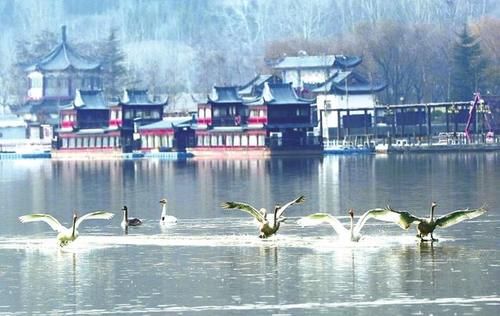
x,y
73,230
352,226
432,212
164,211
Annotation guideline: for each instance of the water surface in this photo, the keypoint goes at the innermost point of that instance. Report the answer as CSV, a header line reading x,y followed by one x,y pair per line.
x,y
212,262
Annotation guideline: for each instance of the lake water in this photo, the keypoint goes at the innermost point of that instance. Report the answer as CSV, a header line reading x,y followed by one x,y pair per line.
x,y
213,263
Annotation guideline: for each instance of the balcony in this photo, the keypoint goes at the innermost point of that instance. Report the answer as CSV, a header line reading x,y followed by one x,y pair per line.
x,y
229,120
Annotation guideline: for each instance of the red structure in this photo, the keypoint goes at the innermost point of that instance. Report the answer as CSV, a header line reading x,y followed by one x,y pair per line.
x,y
277,120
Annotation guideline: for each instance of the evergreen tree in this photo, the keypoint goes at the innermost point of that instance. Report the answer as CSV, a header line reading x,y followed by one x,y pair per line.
x,y
114,73
468,66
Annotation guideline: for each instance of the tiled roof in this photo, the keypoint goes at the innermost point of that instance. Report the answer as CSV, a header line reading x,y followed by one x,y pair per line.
x,y
225,95
63,57
291,62
282,93
256,85
168,122
138,97
355,84
90,99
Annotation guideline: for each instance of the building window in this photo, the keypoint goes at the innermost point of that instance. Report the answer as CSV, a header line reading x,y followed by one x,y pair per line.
x,y
229,140
236,140
261,140
244,140
105,142
253,140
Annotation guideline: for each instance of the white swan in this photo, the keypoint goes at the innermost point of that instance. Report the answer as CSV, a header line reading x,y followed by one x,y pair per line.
x,y
353,233
164,218
427,226
66,235
267,228
126,222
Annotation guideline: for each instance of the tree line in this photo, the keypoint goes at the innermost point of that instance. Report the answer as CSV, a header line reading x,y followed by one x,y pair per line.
x,y
427,50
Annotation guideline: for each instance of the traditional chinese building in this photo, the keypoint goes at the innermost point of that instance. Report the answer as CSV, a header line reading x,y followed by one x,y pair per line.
x,y
170,134
276,121
344,100
84,126
135,109
90,125
255,86
306,71
53,80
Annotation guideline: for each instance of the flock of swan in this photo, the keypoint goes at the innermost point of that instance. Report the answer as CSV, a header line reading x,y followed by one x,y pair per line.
x,y
269,224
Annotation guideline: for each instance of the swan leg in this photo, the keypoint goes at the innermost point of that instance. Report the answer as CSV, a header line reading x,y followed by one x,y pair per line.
x,y
433,239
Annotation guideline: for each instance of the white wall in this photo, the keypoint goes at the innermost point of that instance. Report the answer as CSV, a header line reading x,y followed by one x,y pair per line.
x,y
36,90
331,102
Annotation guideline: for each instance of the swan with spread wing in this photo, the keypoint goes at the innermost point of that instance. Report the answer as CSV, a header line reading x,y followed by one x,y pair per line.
x,y
426,226
354,232
65,235
267,227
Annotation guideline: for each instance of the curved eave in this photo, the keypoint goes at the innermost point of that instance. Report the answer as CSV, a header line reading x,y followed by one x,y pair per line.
x,y
288,103
349,62
141,104
358,89
68,56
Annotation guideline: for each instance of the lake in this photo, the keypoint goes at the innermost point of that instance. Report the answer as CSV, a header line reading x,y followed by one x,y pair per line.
x,y
212,261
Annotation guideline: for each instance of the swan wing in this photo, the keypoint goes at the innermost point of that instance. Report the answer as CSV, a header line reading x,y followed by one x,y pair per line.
x,y
458,216
94,215
282,209
319,218
49,219
401,218
245,208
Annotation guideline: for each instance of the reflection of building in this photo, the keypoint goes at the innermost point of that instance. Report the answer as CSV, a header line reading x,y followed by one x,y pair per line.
x,y
54,79
276,120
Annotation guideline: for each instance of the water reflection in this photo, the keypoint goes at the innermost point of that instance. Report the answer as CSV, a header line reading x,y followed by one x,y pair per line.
x,y
212,262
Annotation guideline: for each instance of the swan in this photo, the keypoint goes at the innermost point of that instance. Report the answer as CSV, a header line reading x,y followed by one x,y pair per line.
x,y
126,222
166,219
66,235
427,226
266,228
353,233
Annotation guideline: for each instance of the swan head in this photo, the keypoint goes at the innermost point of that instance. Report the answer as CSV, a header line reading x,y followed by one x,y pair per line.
x,y
163,201
351,213
434,204
124,208
75,216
